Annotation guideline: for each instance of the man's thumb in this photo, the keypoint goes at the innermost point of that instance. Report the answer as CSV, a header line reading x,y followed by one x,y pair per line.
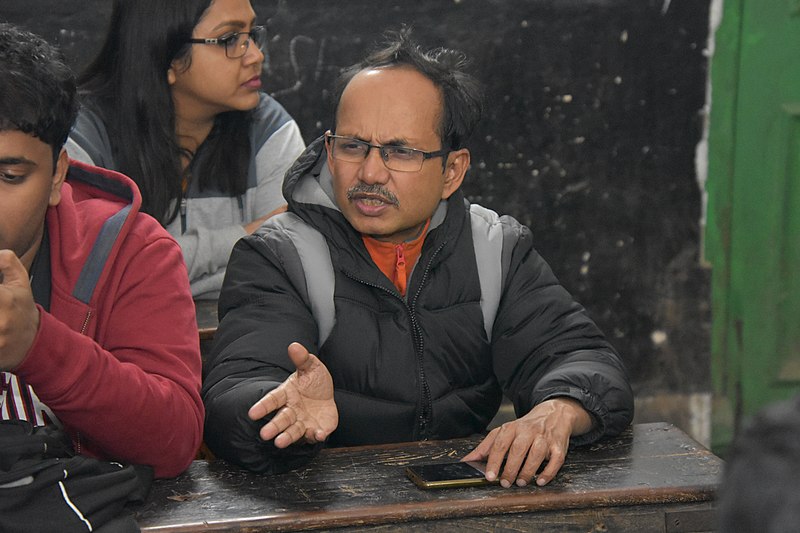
x,y
12,272
299,356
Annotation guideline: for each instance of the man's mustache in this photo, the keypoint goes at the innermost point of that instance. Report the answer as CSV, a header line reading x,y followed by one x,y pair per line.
x,y
372,190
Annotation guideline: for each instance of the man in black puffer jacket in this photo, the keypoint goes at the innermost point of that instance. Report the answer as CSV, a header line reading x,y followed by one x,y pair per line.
x,y
385,272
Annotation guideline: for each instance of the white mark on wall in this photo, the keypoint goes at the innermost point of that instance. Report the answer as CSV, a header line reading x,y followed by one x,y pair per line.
x,y
658,337
701,150
296,67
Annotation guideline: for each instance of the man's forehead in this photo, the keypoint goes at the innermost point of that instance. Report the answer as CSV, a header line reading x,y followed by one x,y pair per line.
x,y
389,104
391,77
18,147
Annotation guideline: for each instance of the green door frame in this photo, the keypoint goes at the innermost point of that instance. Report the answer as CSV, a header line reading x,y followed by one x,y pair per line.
x,y
752,237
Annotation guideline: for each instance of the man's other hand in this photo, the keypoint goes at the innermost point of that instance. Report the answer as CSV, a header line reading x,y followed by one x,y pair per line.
x,y
541,435
304,402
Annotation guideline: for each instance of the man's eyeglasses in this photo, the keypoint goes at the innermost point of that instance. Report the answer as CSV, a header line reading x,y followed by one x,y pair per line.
x,y
397,158
236,43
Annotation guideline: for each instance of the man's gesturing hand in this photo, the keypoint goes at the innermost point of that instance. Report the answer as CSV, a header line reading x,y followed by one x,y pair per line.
x,y
304,402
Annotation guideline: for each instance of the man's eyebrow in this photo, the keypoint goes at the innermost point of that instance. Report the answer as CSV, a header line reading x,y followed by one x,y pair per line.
x,y
19,160
391,142
396,142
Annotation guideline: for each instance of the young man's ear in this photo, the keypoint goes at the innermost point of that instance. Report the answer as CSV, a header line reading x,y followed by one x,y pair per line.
x,y
59,175
455,170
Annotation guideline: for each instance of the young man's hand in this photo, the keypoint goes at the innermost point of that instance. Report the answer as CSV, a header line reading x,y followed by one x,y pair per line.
x,y
304,402
19,316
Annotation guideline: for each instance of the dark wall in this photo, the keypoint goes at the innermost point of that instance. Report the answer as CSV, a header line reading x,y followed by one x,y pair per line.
x,y
595,111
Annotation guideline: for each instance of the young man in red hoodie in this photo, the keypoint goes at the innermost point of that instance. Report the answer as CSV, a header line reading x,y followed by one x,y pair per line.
x,y
97,324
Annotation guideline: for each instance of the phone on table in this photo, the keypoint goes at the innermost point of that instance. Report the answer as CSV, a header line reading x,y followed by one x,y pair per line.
x,y
448,475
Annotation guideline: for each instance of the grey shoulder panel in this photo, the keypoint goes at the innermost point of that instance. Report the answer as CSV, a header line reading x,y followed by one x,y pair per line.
x,y
490,234
98,257
487,238
315,258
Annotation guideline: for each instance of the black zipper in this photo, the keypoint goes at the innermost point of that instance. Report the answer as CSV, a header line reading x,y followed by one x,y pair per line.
x,y
183,215
76,439
425,408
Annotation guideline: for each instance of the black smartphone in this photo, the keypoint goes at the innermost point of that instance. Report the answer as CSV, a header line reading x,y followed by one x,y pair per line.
x,y
448,475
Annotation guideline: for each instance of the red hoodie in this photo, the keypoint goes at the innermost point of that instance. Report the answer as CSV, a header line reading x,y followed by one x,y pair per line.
x,y
117,357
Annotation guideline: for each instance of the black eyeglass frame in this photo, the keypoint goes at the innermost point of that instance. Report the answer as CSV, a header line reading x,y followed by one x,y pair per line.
x,y
384,155
255,34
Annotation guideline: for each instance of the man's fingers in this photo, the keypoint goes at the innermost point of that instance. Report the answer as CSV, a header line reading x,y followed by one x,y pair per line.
x,y
517,454
290,435
533,457
317,436
275,399
283,419
502,442
481,451
554,464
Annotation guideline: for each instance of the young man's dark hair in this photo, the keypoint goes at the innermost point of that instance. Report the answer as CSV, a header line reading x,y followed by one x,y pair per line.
x,y
37,89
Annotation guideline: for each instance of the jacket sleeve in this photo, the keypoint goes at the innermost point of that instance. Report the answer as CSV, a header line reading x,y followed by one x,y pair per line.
x,y
128,387
545,346
261,312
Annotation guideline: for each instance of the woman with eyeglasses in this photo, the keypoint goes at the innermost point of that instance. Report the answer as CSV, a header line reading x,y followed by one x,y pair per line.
x,y
174,100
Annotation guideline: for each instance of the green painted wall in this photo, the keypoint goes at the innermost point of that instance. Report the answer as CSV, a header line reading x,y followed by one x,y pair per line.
x,y
753,200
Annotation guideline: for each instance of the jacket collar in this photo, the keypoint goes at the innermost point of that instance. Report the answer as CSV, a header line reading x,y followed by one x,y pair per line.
x,y
121,200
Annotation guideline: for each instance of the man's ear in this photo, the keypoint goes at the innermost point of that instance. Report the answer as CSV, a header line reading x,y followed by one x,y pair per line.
x,y
59,175
328,149
455,170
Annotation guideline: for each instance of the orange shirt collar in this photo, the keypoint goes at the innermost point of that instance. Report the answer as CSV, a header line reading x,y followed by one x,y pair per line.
x,y
396,261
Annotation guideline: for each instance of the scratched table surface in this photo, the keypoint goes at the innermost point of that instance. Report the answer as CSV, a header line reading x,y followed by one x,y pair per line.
x,y
652,478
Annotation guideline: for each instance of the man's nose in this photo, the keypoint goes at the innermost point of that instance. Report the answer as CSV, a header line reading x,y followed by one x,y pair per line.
x,y
373,169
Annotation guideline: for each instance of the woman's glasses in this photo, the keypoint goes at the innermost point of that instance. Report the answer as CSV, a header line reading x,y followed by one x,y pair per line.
x,y
236,43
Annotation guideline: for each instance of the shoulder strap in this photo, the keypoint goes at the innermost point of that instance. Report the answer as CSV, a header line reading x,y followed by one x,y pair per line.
x,y
487,238
315,258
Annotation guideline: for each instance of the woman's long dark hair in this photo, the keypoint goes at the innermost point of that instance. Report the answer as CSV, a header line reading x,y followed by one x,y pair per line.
x,y
127,85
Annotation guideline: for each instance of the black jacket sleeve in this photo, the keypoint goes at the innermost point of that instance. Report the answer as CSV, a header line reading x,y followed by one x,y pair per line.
x,y
545,345
261,312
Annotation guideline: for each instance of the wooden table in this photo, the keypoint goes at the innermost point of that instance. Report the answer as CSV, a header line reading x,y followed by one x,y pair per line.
x,y
652,478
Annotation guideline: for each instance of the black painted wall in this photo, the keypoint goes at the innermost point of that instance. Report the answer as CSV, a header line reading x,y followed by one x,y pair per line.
x,y
595,111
